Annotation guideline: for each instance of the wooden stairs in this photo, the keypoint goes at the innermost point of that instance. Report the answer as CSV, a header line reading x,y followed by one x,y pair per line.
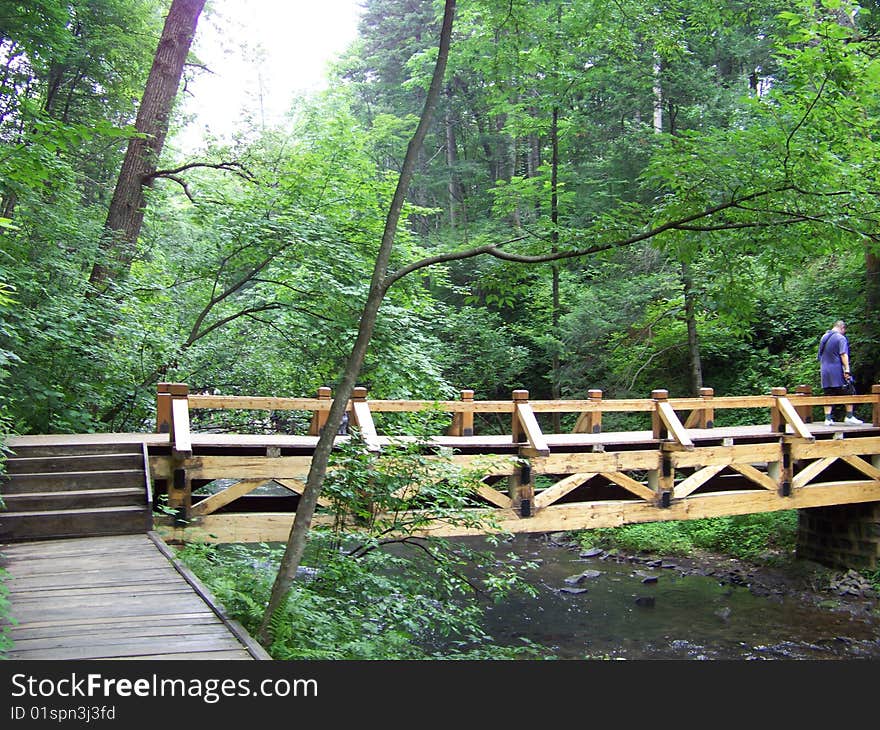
x,y
75,490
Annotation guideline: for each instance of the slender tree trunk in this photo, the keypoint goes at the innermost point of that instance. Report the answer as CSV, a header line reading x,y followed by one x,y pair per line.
x,y
554,219
126,213
692,338
868,361
305,511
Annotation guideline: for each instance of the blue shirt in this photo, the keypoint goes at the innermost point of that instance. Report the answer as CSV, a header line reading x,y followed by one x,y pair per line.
x,y
831,347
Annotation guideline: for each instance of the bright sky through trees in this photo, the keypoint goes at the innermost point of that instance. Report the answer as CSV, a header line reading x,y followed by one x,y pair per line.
x,y
260,53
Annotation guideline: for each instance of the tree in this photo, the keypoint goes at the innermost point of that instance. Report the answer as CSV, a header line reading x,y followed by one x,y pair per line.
x,y
378,287
126,213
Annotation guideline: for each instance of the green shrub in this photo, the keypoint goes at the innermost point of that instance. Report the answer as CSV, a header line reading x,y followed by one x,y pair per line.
x,y
747,537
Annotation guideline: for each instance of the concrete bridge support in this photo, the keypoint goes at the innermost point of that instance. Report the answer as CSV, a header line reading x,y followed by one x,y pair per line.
x,y
841,536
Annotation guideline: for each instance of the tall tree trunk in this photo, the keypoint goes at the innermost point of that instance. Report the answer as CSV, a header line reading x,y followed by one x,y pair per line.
x,y
126,213
693,340
453,187
305,511
554,235
868,361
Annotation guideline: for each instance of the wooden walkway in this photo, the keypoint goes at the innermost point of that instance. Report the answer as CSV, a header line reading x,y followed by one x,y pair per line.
x,y
114,597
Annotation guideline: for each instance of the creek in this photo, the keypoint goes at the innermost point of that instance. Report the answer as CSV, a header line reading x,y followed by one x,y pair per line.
x,y
602,607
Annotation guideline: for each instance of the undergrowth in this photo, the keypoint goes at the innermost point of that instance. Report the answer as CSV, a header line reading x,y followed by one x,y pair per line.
x,y
377,606
767,537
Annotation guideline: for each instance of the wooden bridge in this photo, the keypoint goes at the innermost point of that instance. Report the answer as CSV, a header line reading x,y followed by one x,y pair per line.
x,y
680,462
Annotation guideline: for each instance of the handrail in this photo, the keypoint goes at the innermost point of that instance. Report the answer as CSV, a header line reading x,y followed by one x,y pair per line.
x,y
786,410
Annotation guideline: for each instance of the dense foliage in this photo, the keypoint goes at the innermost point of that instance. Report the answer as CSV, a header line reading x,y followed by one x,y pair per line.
x,y
679,194
565,127
770,537
381,605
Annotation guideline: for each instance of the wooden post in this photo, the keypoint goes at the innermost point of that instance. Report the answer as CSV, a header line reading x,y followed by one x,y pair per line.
x,y
466,420
777,422
707,414
517,430
319,417
363,419
163,407
658,427
522,489
702,417
805,412
875,416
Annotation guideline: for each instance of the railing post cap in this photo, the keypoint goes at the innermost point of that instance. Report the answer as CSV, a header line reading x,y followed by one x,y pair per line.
x,y
778,391
707,392
594,393
520,395
359,393
324,391
875,388
467,394
803,389
660,394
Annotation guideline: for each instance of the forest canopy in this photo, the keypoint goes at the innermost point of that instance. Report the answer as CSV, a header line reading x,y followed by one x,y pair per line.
x,y
667,195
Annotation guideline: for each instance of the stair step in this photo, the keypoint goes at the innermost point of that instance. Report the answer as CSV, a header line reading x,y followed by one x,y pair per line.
x,y
69,463
72,499
51,524
74,449
61,481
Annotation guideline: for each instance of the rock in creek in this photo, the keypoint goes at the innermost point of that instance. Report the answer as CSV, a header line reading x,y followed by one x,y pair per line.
x,y
573,591
592,552
581,577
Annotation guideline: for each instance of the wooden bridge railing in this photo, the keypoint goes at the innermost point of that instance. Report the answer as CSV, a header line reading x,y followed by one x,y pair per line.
x,y
662,467
174,402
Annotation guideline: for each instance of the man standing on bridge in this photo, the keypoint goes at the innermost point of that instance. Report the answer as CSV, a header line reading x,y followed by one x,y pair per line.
x,y
835,370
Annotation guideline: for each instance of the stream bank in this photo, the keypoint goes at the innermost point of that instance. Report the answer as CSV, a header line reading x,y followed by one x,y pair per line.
x,y
605,604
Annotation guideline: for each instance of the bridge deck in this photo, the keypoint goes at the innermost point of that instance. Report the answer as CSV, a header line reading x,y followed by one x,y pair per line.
x,y
562,441
119,597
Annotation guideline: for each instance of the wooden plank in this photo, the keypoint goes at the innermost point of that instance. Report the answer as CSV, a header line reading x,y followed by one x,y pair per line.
x,y
752,474
810,472
564,486
869,470
724,455
696,480
531,428
492,495
791,416
853,446
224,497
180,432
112,597
363,419
675,426
631,485
260,527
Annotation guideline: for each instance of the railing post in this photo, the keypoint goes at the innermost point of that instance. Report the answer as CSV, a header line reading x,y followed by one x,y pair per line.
x,y
875,415
658,427
516,427
805,412
319,417
702,417
163,408
590,421
777,422
463,421
707,414
179,483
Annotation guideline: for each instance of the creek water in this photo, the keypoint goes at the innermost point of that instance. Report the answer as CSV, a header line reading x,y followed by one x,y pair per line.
x,y
621,610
